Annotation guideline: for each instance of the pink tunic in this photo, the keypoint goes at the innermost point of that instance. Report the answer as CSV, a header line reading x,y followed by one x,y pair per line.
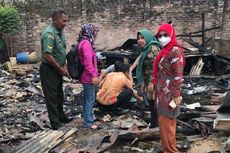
x,y
88,58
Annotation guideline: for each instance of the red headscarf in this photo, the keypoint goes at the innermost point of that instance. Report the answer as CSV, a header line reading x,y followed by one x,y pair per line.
x,y
168,28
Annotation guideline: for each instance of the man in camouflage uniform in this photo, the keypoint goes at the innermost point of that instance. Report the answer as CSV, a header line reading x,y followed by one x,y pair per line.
x,y
53,68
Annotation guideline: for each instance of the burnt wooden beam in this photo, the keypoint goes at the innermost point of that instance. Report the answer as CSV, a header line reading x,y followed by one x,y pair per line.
x,y
191,34
203,28
186,124
188,115
150,134
191,42
201,76
207,40
226,76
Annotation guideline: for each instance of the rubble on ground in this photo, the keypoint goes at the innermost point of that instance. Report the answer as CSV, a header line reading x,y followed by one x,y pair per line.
x,y
24,120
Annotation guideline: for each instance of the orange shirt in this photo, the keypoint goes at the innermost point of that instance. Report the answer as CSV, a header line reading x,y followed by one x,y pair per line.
x,y
113,84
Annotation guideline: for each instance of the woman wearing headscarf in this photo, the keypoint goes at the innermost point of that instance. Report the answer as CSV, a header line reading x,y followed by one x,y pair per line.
x,y
167,80
150,47
89,78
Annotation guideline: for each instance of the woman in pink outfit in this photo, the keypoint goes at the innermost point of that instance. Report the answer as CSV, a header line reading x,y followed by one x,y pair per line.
x,y
89,78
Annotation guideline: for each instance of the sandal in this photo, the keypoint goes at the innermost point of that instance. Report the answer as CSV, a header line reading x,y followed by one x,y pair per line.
x,y
93,126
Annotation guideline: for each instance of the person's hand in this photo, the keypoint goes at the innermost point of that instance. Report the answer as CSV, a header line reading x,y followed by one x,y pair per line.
x,y
103,71
63,72
67,74
153,95
95,80
138,97
103,74
66,66
178,100
150,87
141,98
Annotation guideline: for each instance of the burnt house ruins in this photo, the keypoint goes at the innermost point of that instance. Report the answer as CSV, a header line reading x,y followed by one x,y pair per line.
x,y
204,121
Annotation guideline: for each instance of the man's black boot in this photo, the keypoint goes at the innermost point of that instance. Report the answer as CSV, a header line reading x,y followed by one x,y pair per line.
x,y
56,125
65,119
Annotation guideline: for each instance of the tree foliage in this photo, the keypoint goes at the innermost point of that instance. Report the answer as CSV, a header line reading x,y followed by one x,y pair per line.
x,y
9,20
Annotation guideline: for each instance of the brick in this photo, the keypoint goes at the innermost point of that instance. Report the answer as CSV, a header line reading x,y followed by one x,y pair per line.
x,y
119,20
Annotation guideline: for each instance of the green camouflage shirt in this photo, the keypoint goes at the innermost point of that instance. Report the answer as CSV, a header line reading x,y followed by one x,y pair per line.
x,y
148,64
53,42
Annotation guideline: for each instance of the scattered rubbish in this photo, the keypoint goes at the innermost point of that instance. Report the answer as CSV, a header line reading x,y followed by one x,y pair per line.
x,y
227,145
96,142
192,106
23,114
196,69
196,90
13,61
107,118
7,66
129,122
24,119
222,122
224,107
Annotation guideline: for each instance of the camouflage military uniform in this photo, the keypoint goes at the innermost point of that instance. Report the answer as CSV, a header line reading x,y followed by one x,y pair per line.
x,y
53,42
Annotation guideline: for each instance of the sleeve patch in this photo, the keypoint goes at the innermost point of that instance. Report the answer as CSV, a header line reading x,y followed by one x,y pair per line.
x,y
50,46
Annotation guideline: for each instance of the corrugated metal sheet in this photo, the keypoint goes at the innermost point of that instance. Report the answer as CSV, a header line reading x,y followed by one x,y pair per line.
x,y
44,141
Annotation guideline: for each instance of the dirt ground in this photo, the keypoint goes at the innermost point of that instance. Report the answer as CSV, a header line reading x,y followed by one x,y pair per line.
x,y
206,145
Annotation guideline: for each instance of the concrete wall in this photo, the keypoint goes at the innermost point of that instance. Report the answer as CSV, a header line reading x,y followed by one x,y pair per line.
x,y
119,20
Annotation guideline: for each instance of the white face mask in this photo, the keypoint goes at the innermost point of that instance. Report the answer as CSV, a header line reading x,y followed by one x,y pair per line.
x,y
164,40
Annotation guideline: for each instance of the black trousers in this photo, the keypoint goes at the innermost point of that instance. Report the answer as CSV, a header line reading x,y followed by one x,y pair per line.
x,y
122,100
154,114
52,82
